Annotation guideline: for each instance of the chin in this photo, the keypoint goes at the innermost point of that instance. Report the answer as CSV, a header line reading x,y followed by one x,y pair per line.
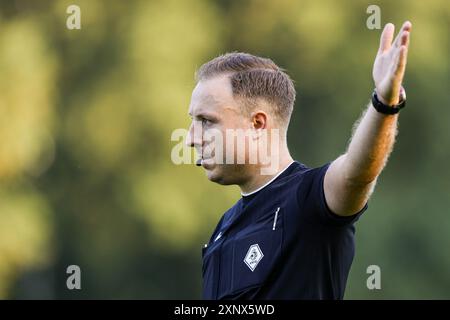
x,y
215,174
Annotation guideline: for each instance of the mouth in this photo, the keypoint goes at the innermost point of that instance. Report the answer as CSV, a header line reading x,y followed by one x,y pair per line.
x,y
207,163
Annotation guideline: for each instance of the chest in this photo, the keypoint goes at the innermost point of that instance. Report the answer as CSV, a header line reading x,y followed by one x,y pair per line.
x,y
242,255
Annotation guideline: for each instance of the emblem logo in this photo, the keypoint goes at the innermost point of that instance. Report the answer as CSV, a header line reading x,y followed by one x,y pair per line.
x,y
253,256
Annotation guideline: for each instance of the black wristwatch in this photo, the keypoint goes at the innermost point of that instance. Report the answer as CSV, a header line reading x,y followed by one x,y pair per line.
x,y
382,108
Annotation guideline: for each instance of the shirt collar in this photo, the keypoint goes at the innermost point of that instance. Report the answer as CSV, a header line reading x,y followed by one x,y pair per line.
x,y
268,182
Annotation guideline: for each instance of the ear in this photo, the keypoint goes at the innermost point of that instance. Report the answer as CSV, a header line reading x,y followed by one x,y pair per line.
x,y
259,120
259,123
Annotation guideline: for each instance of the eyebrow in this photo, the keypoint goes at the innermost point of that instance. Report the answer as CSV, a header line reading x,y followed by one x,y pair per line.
x,y
203,115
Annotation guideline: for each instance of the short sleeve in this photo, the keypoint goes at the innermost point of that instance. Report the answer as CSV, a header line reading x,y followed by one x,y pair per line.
x,y
311,196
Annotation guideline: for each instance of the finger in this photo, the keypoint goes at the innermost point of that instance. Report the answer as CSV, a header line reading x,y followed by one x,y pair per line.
x,y
405,29
407,26
401,62
386,37
403,40
402,93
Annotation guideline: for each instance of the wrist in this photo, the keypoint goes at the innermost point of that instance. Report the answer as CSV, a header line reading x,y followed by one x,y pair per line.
x,y
390,103
387,107
393,101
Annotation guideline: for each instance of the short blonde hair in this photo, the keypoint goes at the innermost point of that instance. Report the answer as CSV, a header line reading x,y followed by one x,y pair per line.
x,y
254,78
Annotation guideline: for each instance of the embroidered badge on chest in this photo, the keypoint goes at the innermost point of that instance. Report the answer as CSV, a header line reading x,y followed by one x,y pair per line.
x,y
253,256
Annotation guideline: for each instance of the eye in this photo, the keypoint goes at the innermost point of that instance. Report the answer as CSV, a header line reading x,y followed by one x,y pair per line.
x,y
206,122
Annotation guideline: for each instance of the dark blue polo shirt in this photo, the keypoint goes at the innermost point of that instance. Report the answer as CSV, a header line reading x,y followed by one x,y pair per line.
x,y
282,242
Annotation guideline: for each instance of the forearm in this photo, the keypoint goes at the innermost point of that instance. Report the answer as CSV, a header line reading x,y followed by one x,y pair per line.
x,y
370,146
374,136
351,178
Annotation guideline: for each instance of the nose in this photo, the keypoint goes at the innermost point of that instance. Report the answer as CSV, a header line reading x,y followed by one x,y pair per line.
x,y
194,136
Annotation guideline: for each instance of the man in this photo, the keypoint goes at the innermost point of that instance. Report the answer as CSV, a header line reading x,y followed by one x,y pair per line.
x,y
291,235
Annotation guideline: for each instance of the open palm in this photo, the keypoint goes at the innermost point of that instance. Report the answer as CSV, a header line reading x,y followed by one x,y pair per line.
x,y
390,63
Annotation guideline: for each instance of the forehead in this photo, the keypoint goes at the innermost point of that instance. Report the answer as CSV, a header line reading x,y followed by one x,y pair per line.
x,y
212,95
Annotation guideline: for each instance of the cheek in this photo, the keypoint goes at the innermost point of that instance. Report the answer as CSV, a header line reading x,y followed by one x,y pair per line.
x,y
216,142
234,142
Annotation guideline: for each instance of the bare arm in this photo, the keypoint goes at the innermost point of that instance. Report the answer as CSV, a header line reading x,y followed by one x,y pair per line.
x,y
350,179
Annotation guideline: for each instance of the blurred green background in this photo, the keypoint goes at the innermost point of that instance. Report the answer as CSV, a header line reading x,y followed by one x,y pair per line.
x,y
86,118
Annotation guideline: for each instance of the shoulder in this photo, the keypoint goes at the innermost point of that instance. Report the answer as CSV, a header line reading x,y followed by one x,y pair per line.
x,y
293,175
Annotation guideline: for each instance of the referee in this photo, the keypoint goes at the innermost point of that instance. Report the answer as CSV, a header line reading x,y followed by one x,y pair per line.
x,y
291,234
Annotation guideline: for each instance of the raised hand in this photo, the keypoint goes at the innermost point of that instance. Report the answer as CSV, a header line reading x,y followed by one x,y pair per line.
x,y
390,63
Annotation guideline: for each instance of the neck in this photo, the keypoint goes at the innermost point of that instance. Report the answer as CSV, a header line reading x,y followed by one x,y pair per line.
x,y
257,180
